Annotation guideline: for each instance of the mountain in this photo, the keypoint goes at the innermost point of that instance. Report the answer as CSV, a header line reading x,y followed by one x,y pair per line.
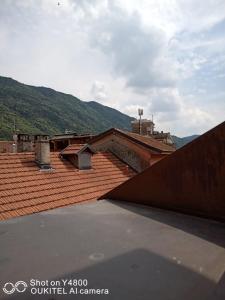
x,y
180,142
43,110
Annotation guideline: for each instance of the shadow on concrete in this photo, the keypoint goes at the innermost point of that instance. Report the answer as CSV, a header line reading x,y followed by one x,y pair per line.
x,y
136,275
218,292
206,229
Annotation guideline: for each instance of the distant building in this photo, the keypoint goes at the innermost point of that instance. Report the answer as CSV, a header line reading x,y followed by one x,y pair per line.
x,y
139,152
164,137
146,127
143,127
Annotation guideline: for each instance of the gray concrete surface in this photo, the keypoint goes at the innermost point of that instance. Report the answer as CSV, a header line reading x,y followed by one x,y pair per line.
x,y
135,252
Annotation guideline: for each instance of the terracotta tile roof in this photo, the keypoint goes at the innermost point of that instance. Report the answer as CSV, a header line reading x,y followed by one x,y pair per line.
x,y
76,148
145,141
73,148
24,189
150,141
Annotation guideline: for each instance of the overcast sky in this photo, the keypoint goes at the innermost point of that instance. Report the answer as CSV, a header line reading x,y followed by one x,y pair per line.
x,y
165,56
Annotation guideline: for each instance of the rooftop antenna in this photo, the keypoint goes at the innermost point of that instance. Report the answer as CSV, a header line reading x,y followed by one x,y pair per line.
x,y
140,113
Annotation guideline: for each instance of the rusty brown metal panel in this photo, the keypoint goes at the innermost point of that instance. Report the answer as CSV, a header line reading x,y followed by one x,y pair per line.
x,y
191,180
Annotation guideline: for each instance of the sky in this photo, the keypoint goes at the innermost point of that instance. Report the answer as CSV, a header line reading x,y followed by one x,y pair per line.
x,y
165,56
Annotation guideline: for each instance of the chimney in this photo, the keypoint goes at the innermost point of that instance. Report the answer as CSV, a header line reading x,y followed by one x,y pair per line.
x,y
19,141
23,142
42,151
15,143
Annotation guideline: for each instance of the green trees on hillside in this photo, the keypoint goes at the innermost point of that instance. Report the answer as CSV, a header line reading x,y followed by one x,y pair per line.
x,y
42,110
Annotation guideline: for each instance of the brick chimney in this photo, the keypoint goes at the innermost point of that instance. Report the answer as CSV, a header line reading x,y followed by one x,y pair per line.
x,y
42,151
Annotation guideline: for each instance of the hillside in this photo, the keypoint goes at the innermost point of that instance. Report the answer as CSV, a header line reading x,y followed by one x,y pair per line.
x,y
44,110
180,142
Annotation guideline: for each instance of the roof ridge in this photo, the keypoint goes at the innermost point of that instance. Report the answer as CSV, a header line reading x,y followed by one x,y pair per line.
x,y
156,145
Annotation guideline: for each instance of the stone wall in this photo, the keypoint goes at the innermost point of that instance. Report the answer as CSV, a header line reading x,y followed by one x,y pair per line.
x,y
131,153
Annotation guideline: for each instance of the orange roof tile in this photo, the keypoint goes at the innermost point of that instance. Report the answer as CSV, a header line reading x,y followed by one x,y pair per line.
x,y
24,189
145,141
76,149
73,148
150,141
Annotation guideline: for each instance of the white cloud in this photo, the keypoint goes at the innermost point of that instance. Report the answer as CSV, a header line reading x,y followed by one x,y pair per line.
x,y
99,91
137,54
165,56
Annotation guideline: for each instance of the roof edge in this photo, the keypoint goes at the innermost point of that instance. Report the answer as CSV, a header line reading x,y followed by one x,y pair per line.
x,y
123,133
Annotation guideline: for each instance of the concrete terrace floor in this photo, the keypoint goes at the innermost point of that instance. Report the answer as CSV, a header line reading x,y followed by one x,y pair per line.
x,y
135,251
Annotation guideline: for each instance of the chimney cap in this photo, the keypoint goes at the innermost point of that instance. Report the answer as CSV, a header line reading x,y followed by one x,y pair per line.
x,y
41,137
